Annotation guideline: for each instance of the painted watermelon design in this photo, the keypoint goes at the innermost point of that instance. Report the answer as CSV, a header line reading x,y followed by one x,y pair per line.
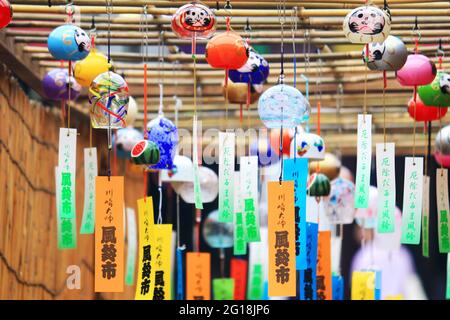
x,y
318,185
145,152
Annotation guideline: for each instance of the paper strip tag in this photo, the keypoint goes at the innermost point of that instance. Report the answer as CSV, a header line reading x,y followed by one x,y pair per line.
x,y
364,159
226,175
198,276
297,171
223,289
257,267
90,172
197,188
145,283
131,246
385,158
447,291
249,193
109,235
323,278
67,167
336,248
363,285
239,273
162,255
240,245
338,287
238,202
426,217
180,280
307,282
378,285
256,282
443,210
394,297
412,201
66,227
281,225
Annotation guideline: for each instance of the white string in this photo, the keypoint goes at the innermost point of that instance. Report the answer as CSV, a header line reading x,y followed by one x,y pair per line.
x,y
159,221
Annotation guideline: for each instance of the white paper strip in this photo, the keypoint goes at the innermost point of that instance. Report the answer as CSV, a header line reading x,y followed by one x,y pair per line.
x,y
443,210
90,172
67,166
412,201
426,217
364,160
131,246
385,158
226,175
249,193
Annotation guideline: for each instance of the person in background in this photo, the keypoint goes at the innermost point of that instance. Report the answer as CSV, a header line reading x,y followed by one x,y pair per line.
x,y
383,251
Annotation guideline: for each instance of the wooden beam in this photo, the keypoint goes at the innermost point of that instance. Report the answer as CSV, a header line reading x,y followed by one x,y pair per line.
x,y
20,63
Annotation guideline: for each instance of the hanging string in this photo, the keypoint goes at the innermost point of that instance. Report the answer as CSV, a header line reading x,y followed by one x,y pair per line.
x,y
282,19
416,32
247,30
340,92
365,83
227,7
109,12
159,220
294,51
441,139
429,147
143,28
440,54
160,112
417,36
161,75
319,100
114,172
69,12
306,52
425,129
414,130
384,108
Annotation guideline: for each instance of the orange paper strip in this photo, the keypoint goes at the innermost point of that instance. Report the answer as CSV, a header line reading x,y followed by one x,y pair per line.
x,y
281,227
109,236
198,276
323,278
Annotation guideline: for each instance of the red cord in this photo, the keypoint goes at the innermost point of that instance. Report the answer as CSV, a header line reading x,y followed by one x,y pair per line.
x,y
115,154
145,186
145,102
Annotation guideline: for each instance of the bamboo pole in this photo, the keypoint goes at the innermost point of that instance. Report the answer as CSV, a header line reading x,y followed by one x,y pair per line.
x,y
301,12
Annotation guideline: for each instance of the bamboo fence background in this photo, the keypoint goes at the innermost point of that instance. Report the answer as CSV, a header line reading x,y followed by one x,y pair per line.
x,y
31,266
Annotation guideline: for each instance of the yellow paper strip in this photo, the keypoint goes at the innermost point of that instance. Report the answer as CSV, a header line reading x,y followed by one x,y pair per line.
x,y
145,283
363,285
162,257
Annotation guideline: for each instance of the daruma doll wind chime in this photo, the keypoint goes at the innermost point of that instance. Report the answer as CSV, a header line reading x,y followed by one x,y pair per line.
x,y
437,93
417,71
57,84
66,43
228,51
6,13
193,21
366,24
